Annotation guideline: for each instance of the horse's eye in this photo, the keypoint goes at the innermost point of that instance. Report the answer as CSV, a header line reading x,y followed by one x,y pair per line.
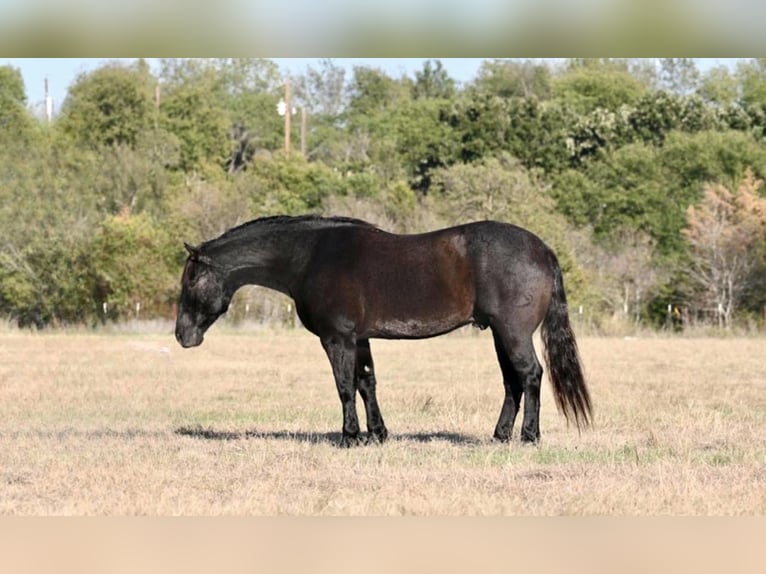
x,y
193,275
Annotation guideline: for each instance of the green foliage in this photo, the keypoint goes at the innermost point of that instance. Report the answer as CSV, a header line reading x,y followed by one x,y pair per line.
x,y
222,111
194,113
538,133
679,75
514,79
401,202
199,210
373,92
45,282
657,114
12,85
711,156
594,85
597,132
433,81
607,195
420,137
481,122
600,157
290,185
112,105
719,86
16,123
133,261
322,92
251,88
135,178
649,188
752,81
50,202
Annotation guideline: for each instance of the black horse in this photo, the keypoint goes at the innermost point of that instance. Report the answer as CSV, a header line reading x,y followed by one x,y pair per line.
x,y
352,281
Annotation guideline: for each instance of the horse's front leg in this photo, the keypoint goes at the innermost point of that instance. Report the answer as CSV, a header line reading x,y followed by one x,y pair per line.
x,y
342,354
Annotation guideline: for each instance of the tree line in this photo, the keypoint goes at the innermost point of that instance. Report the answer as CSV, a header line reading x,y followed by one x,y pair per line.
x,y
644,175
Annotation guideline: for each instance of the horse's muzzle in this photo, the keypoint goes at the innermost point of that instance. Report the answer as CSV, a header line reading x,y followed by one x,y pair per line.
x,y
189,337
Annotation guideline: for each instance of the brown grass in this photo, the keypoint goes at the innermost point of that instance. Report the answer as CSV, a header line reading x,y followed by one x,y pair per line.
x,y
246,424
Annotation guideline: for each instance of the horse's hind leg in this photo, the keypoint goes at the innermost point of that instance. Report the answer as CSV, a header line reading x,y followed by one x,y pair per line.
x,y
365,383
513,391
521,355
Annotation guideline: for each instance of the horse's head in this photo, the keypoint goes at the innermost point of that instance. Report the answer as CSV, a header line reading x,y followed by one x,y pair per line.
x,y
203,298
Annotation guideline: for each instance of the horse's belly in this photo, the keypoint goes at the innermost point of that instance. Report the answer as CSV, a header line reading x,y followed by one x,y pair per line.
x,y
412,329
410,316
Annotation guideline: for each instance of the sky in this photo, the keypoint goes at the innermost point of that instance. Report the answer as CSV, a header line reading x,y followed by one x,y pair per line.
x,y
62,72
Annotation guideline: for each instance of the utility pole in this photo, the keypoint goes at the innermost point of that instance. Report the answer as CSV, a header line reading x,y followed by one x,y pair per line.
x,y
48,103
288,113
303,131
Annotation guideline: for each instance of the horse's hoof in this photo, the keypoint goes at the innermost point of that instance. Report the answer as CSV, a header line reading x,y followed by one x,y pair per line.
x,y
378,436
347,441
530,439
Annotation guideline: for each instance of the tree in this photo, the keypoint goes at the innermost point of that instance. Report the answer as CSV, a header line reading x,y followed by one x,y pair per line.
x,y
658,113
752,81
592,84
632,276
16,123
514,79
433,81
371,92
290,184
537,134
49,204
692,159
679,75
249,91
726,233
221,110
193,111
490,189
133,261
137,179
644,187
622,190
112,105
481,122
421,138
372,97
719,86
323,92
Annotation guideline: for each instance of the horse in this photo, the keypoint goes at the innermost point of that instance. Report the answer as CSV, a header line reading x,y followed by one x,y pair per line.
x,y
352,281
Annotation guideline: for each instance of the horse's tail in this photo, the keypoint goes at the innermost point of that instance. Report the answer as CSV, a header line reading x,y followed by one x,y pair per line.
x,y
561,356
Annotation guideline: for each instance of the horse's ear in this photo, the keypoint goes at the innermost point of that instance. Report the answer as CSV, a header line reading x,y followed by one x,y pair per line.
x,y
193,251
196,255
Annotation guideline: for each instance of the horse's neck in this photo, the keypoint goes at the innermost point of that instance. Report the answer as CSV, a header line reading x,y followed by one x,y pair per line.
x,y
267,262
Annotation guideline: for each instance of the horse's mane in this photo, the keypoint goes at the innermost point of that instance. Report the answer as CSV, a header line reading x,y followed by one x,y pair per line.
x,y
274,221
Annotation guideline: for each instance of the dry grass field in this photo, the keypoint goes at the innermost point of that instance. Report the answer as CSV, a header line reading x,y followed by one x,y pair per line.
x,y
246,424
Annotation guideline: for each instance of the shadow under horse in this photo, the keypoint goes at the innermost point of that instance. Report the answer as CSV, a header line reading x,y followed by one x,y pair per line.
x,y
206,433
352,282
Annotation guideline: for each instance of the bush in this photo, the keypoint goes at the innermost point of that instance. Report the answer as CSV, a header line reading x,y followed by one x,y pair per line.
x,y
133,261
